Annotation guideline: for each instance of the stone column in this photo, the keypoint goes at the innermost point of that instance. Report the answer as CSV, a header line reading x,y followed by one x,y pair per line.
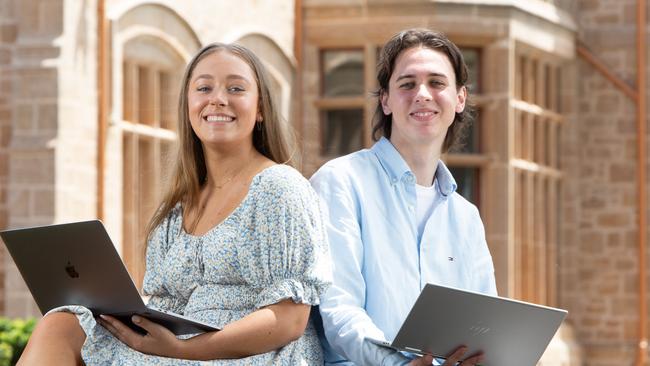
x,y
498,70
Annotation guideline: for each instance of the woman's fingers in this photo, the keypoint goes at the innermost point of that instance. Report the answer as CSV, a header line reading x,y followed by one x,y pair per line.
x,y
152,328
158,340
125,334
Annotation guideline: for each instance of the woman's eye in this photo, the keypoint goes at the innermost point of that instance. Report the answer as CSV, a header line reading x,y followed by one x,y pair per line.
x,y
203,89
235,89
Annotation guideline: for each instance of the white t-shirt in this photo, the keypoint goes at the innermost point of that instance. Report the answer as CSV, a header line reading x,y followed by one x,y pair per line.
x,y
425,197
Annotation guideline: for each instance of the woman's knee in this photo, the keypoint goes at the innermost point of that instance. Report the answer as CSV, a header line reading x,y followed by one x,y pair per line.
x,y
60,324
57,339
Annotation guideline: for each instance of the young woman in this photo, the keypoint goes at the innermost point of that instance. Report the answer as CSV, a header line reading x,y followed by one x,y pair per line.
x,y
395,220
237,242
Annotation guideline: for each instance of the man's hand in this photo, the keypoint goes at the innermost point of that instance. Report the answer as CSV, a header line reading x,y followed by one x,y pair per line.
x,y
452,359
425,360
158,341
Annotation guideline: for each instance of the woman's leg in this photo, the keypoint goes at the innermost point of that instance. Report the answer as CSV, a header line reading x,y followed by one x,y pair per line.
x,y
56,340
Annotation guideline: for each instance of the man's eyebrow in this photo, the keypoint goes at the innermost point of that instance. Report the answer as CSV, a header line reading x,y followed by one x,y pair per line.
x,y
411,76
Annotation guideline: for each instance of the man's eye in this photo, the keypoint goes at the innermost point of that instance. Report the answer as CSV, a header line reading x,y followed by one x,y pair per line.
x,y
408,85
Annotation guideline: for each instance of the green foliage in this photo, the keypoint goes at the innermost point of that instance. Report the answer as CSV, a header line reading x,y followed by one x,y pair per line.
x,y
14,334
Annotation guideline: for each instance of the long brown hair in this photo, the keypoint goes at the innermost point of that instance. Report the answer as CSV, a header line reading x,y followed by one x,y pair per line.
x,y
275,138
382,123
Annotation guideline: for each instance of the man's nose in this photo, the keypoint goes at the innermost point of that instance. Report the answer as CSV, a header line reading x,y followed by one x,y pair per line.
x,y
423,94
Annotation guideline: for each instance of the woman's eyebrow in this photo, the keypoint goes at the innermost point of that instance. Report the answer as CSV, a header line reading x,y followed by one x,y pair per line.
x,y
203,76
237,77
228,77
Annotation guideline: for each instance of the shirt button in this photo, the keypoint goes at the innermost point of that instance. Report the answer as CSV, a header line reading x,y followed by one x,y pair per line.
x,y
394,180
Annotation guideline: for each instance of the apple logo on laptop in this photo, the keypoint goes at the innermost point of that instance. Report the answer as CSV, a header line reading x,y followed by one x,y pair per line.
x,y
72,272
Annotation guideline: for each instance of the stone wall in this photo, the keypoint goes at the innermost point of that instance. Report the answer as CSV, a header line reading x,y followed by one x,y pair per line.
x,y
7,39
48,101
599,264
33,79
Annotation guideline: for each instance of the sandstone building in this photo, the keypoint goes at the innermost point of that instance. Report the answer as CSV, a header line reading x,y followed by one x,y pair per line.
x,y
87,125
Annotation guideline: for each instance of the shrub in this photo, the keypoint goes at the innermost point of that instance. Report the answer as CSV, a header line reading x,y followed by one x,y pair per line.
x,y
14,334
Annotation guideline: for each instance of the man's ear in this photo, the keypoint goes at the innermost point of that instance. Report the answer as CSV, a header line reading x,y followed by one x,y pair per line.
x,y
462,98
383,96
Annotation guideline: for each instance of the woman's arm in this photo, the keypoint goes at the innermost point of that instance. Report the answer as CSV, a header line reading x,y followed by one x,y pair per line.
x,y
264,330
285,257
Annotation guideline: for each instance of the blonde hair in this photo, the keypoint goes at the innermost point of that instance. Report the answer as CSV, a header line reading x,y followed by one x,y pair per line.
x,y
275,138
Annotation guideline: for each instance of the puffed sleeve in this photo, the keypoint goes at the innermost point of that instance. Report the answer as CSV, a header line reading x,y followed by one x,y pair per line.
x,y
283,246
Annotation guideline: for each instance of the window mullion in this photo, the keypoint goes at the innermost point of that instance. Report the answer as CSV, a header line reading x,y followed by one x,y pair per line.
x,y
370,71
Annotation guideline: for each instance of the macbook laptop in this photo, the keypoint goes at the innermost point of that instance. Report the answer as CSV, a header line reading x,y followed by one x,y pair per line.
x,y
77,264
508,332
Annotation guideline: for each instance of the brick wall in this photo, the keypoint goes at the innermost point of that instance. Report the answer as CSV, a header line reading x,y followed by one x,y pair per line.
x,y
33,80
52,171
7,38
599,256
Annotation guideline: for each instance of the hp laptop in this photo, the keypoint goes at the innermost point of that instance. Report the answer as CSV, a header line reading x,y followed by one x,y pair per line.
x,y
508,332
77,264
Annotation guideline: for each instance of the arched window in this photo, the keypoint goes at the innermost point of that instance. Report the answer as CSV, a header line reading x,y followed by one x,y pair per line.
x,y
151,45
150,86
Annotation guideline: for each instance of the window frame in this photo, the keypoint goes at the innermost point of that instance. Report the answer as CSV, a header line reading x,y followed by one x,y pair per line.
x,y
142,168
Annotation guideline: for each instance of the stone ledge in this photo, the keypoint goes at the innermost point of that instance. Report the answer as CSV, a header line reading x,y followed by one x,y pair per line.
x,y
563,350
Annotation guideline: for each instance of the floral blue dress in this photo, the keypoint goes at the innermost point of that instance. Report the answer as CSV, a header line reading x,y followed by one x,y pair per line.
x,y
272,247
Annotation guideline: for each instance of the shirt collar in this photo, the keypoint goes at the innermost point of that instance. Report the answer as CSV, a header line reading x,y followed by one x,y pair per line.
x,y
395,167
390,159
446,182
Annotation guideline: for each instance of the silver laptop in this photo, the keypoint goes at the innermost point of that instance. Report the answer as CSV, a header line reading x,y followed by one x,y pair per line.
x,y
77,264
508,332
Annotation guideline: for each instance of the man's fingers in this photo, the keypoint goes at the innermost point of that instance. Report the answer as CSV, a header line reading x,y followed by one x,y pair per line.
x,y
474,360
455,356
425,360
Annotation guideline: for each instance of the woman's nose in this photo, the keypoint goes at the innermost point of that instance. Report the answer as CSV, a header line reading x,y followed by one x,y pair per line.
x,y
423,94
218,98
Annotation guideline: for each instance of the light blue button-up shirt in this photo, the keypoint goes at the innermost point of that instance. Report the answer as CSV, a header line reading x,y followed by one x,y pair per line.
x,y
379,265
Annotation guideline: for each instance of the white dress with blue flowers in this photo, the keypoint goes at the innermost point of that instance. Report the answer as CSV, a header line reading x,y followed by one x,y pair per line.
x,y
272,247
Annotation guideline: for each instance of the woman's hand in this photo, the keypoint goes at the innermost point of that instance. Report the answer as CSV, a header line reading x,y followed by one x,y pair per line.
x,y
452,359
158,341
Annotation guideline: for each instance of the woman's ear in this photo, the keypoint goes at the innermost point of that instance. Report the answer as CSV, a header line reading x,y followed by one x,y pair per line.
x,y
259,117
383,96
